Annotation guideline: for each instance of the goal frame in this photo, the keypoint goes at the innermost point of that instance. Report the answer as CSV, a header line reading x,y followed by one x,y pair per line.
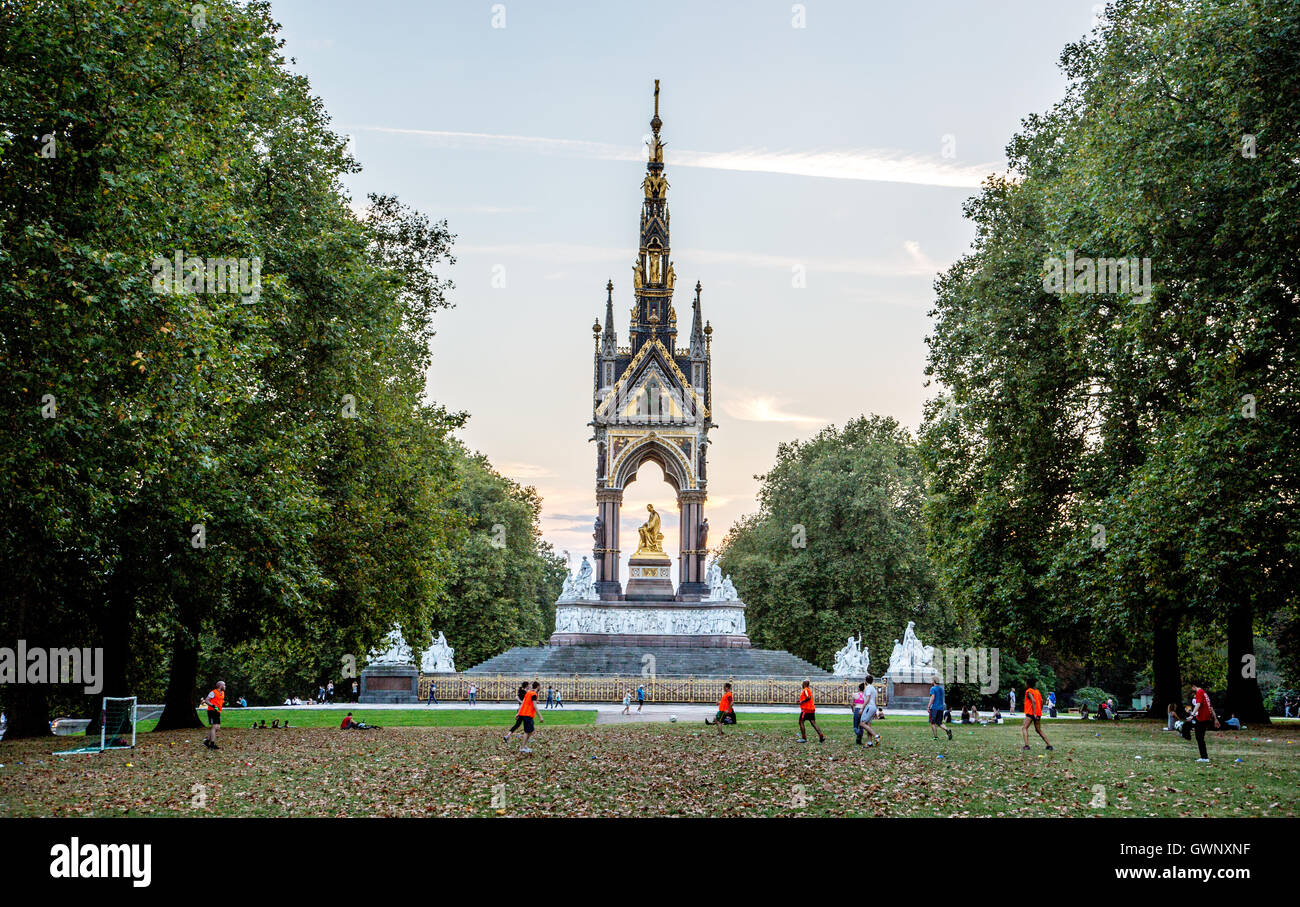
x,y
103,721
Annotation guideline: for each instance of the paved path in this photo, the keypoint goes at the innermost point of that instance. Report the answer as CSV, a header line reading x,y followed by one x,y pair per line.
x,y
612,712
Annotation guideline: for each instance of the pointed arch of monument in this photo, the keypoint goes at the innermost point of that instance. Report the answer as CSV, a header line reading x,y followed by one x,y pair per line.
x,y
670,458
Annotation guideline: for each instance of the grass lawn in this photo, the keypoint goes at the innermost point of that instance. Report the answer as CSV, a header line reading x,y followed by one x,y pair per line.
x,y
757,768
415,717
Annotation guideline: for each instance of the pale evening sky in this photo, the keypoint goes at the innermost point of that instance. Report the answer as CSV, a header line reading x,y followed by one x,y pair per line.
x,y
844,148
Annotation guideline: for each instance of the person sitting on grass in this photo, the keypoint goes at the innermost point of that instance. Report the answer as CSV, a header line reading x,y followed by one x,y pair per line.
x,y
724,708
351,724
965,715
975,716
997,715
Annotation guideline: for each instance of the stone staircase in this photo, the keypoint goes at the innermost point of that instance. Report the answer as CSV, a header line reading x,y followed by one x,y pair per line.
x,y
630,661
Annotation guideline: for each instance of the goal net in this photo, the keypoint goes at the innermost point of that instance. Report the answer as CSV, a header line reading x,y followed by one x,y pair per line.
x,y
116,727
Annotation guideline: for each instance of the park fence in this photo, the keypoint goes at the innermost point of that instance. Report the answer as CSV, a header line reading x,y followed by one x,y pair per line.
x,y
658,688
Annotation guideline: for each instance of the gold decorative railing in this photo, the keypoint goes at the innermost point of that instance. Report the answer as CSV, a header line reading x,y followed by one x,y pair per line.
x,y
611,688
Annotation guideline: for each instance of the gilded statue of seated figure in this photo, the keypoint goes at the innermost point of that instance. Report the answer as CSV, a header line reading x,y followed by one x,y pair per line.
x,y
651,537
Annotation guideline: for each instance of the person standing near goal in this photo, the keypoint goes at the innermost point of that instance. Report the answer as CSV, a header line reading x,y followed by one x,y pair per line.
x,y
216,699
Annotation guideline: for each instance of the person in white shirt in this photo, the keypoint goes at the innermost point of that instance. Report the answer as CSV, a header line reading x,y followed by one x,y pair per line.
x,y
869,710
627,703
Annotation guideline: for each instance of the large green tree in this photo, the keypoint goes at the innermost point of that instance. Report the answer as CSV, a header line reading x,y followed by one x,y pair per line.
x,y
1113,468
256,464
838,546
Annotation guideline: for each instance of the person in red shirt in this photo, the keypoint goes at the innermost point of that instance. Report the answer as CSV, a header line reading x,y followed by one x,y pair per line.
x,y
527,712
808,713
215,700
1202,714
725,708
1033,713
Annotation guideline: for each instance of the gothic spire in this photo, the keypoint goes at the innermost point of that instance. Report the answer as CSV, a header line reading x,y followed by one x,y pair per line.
x,y
652,273
609,339
698,346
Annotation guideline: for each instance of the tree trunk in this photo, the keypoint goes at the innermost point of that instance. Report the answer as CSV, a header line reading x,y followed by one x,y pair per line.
x,y
1168,681
179,705
1243,697
117,645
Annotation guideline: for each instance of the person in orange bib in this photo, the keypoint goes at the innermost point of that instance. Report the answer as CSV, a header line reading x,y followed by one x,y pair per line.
x,y
527,712
726,705
808,713
1033,713
215,700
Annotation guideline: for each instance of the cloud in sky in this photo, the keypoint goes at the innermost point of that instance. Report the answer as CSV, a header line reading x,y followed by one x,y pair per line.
x,y
759,408
912,263
523,472
870,164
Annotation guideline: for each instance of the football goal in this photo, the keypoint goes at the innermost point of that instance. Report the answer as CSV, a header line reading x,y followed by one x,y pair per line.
x,y
116,727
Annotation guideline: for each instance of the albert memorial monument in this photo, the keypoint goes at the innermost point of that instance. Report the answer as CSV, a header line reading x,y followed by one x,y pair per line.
x,y
652,401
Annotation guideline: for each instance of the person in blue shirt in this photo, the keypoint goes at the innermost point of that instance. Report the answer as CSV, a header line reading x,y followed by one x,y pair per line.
x,y
936,711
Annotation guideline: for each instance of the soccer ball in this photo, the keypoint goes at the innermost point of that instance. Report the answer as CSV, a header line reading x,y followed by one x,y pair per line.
x,y
672,717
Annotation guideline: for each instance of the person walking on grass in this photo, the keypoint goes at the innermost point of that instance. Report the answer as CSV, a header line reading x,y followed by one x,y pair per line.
x,y
217,698
725,707
1033,713
1202,714
936,709
859,703
868,714
808,713
527,712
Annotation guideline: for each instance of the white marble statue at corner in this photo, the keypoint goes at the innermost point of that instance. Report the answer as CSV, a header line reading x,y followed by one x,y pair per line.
x,y
439,658
911,661
395,652
853,660
580,588
721,588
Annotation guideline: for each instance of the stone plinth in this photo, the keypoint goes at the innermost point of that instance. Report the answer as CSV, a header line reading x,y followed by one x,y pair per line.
x,y
651,622
649,577
909,694
389,684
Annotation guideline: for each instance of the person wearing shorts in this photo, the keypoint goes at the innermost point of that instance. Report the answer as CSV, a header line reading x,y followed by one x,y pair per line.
x,y
808,713
215,700
1033,713
868,713
936,711
725,706
527,712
